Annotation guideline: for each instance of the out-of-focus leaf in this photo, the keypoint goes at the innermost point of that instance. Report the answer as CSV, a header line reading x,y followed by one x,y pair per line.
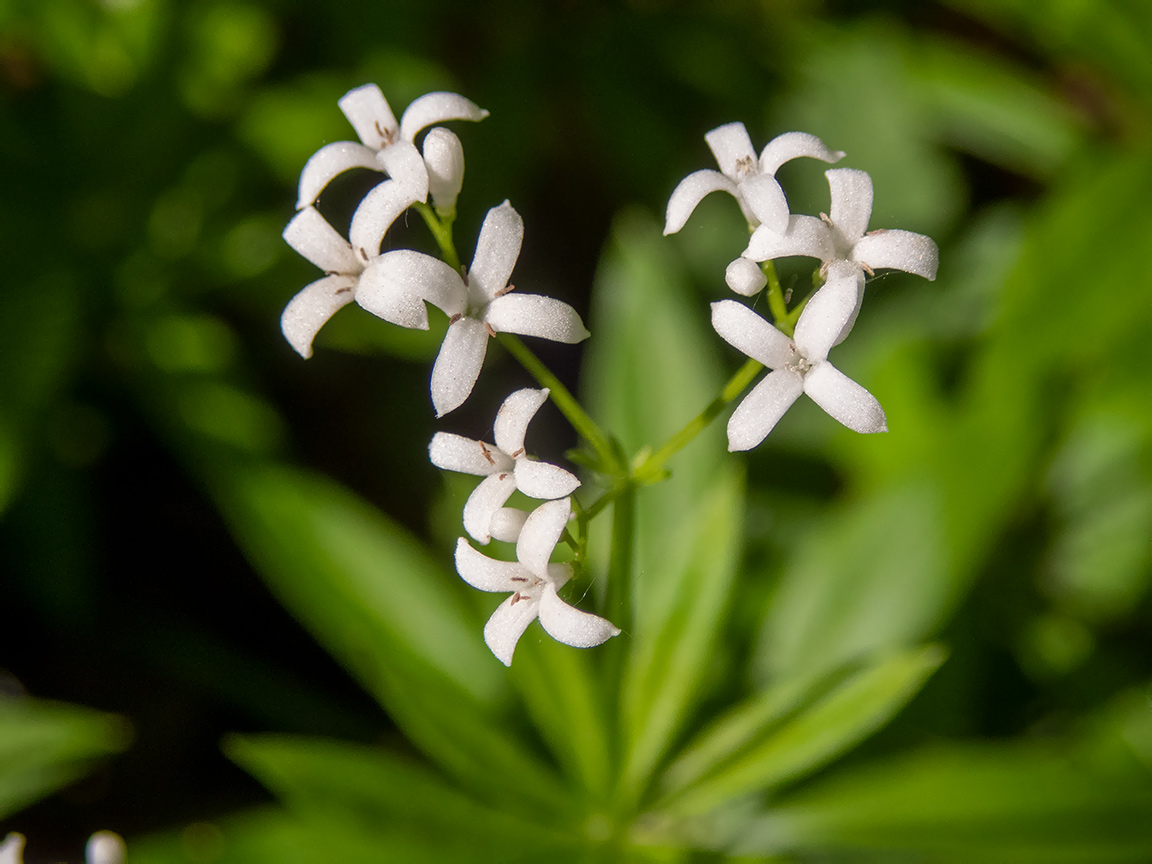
x,y
374,597
45,745
767,742
372,788
1001,804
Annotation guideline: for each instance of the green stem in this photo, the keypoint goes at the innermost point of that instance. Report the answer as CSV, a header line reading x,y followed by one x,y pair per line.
x,y
618,599
584,425
442,232
776,303
651,469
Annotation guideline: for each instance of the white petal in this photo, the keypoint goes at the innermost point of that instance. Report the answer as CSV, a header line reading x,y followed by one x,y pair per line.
x,y
746,331
489,574
444,159
541,533
436,108
377,211
370,115
762,408
507,523
806,235
12,849
851,194
451,452
569,625
900,250
508,624
825,317
732,148
536,315
404,164
328,162
844,399
765,199
496,250
104,847
745,277
310,234
513,418
848,270
488,497
792,145
396,285
310,310
543,479
691,191
458,364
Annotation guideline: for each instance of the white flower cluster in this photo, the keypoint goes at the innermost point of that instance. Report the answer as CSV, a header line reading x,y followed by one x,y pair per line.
x,y
847,251
395,286
103,847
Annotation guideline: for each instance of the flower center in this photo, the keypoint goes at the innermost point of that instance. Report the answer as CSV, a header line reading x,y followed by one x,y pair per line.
x,y
745,165
799,363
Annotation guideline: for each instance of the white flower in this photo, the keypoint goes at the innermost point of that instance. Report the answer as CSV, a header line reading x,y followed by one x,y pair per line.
x,y
103,847
385,144
533,583
12,849
343,262
396,286
750,180
505,468
799,366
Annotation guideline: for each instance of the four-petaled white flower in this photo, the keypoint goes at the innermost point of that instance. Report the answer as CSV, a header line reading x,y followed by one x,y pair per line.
x,y
396,286
799,365
533,584
505,468
385,144
751,180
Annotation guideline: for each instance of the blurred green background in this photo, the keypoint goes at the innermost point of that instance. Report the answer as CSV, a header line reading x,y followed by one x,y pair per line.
x,y
149,151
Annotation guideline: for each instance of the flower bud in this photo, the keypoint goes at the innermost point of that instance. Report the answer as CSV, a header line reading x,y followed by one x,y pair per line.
x,y
745,277
444,156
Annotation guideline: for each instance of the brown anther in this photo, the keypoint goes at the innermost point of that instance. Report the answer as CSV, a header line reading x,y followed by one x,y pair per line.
x,y
875,231
454,319
363,254
343,290
827,220
505,290
486,453
516,598
387,136
504,476
517,578
488,327
867,269
519,452
464,273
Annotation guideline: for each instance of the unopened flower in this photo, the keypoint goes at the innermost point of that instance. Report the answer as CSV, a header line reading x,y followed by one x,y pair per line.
x,y
396,286
799,365
533,583
505,467
751,180
385,144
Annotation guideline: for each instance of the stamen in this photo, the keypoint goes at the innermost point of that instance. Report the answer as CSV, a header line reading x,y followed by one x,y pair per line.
x,y
487,455
454,319
488,327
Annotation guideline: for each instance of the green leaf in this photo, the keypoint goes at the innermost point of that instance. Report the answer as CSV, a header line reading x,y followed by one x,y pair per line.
x,y
762,744
46,745
392,615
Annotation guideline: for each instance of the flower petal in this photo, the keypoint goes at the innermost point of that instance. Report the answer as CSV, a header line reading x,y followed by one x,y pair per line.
x,y
310,234
541,533
508,624
745,277
310,310
377,211
543,479
691,191
488,497
444,159
496,250
806,235
370,115
746,331
489,574
900,250
451,452
396,285
762,408
765,199
536,315
513,418
732,148
851,198
405,165
825,317
437,108
844,399
328,162
507,523
571,626
793,145
458,364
